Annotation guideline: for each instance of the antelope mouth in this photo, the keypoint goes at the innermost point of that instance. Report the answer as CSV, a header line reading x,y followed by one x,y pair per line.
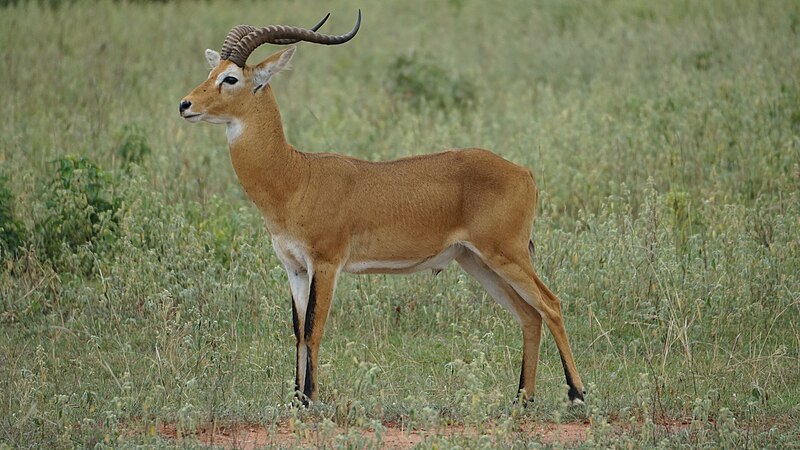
x,y
192,117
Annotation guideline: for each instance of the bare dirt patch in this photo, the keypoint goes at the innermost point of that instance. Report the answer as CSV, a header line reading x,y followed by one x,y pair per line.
x,y
251,436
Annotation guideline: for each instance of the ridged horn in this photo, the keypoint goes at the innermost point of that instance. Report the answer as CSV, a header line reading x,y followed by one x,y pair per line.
x,y
234,36
294,41
279,34
238,32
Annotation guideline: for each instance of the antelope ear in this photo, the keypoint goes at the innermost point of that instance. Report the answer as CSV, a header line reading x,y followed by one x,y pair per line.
x,y
212,57
274,63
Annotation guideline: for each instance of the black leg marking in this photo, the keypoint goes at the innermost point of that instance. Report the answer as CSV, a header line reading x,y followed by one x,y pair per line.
x,y
519,398
532,249
295,321
312,304
308,329
573,393
307,388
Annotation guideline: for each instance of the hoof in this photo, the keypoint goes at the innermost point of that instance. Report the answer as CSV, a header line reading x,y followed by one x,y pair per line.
x,y
576,396
300,401
522,402
521,398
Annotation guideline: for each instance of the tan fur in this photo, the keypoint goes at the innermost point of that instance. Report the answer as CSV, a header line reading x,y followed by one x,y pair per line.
x,y
329,213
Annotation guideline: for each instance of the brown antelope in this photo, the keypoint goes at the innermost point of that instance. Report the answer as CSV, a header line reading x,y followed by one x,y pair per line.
x,y
329,213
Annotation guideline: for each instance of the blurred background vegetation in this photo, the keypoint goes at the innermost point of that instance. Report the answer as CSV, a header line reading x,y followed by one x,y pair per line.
x,y
138,286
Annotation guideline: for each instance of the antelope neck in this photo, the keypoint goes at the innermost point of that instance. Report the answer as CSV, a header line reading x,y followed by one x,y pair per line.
x,y
269,169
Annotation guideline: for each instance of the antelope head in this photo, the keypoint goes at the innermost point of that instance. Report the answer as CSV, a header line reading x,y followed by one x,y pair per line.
x,y
232,85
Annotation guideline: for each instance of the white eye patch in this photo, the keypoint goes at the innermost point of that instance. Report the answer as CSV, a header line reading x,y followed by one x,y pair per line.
x,y
227,77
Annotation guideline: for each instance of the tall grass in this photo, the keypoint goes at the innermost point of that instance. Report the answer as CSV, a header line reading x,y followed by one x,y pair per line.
x,y
665,137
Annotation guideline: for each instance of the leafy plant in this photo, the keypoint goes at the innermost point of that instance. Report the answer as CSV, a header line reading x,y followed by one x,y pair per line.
x,y
419,81
12,231
79,211
133,147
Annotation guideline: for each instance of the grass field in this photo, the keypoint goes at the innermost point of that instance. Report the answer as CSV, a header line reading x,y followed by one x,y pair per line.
x,y
138,288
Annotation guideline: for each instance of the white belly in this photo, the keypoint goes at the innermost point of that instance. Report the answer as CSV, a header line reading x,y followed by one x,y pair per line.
x,y
436,263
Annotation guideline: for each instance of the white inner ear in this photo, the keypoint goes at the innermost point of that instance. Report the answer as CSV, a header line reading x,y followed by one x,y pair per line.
x,y
262,75
212,57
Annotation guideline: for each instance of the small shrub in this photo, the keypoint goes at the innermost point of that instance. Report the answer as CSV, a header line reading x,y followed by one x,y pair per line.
x,y
133,147
12,231
80,206
421,82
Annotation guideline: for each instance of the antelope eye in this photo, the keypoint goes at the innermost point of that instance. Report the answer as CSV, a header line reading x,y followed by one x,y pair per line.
x,y
230,80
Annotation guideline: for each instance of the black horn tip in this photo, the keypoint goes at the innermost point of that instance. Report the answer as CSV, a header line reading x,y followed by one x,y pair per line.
x,y
321,22
358,21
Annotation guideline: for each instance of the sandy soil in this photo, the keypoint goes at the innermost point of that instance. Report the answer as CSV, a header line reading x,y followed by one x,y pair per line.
x,y
251,436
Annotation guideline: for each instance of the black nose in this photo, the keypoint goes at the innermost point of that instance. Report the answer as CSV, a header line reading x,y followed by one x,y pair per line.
x,y
186,104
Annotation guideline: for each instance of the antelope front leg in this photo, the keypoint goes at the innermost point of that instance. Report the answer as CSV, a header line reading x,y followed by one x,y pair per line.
x,y
299,283
323,285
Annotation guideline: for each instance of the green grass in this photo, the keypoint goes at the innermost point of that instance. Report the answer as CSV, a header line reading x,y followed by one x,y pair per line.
x,y
665,137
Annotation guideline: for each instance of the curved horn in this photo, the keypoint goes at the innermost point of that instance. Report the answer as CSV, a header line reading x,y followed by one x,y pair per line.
x,y
238,32
280,34
234,36
293,41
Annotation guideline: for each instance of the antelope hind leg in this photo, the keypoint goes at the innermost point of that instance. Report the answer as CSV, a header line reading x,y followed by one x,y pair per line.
x,y
514,266
528,318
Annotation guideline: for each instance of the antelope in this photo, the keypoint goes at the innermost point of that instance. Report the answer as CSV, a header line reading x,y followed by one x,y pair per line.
x,y
328,213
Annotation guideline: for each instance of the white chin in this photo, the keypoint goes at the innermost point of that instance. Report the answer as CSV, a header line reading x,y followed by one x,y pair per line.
x,y
214,119
194,119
